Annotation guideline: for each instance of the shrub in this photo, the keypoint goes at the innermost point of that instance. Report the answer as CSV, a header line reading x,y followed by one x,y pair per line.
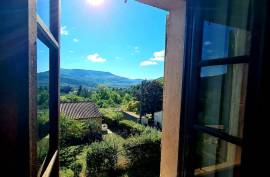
x,y
133,106
74,132
42,149
70,131
131,127
92,131
64,172
112,118
71,97
143,152
102,158
43,123
68,155
76,168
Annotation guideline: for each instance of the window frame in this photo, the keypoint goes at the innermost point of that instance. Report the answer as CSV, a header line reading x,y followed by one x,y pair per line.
x,y
51,38
190,93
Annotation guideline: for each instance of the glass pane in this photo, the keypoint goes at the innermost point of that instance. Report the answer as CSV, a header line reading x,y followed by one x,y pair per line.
x,y
43,10
42,102
225,29
222,97
215,157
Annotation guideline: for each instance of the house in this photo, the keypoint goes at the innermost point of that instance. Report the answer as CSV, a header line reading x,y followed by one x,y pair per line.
x,y
158,119
81,111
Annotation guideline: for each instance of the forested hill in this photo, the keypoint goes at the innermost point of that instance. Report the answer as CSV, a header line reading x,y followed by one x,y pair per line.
x,y
88,78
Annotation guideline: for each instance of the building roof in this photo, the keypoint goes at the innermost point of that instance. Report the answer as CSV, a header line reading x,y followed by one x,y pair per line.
x,y
80,110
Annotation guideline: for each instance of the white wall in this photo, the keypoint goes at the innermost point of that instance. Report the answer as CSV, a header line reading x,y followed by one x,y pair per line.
x,y
158,118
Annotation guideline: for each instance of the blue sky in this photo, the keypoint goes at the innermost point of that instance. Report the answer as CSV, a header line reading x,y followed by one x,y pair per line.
x,y
127,39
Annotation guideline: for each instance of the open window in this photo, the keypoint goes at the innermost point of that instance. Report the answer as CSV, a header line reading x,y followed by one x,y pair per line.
x,y
48,87
218,66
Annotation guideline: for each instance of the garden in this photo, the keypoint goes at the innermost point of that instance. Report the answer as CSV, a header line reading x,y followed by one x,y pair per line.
x,y
134,150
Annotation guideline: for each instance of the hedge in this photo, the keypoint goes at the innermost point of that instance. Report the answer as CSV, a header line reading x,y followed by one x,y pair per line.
x,y
74,132
112,118
131,127
143,152
102,158
68,155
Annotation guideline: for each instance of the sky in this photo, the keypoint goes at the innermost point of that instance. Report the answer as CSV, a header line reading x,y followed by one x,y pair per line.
x,y
126,39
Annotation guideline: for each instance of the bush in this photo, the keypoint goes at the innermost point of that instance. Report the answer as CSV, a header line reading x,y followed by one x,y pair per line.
x,y
66,173
102,158
68,155
76,168
70,131
42,149
131,127
43,123
133,106
74,132
92,131
71,97
143,152
112,118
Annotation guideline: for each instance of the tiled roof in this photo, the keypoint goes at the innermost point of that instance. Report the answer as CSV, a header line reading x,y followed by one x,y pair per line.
x,y
80,110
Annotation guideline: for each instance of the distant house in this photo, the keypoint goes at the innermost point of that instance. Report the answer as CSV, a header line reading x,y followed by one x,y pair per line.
x,y
81,111
158,119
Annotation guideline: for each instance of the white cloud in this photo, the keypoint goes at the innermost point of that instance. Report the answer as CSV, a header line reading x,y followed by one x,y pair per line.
x,y
76,40
71,51
158,56
64,30
147,63
96,58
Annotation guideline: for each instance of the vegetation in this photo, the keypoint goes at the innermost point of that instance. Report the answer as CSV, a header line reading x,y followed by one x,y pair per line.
x,y
102,158
143,152
132,149
73,132
151,97
88,78
42,124
135,156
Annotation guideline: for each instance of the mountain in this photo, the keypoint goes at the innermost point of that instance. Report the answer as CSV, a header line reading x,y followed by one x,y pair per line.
x,y
88,78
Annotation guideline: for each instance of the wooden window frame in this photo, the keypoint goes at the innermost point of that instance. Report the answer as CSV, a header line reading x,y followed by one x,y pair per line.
x,y
20,28
51,38
190,94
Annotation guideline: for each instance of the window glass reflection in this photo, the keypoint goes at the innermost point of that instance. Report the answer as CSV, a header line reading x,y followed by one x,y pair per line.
x,y
216,158
222,97
220,41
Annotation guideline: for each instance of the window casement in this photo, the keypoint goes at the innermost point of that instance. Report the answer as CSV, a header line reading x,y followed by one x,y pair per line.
x,y
50,36
220,56
20,29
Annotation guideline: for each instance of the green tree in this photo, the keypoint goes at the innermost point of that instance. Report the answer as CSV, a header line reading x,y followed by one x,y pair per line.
x,y
151,97
79,92
43,98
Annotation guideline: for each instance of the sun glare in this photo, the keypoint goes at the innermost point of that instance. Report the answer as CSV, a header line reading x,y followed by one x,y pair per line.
x,y
95,2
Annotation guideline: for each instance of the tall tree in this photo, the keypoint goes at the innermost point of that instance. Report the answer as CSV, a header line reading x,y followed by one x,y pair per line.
x,y
79,91
151,97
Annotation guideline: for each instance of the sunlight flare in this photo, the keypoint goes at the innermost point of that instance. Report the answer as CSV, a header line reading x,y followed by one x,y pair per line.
x,y
95,2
